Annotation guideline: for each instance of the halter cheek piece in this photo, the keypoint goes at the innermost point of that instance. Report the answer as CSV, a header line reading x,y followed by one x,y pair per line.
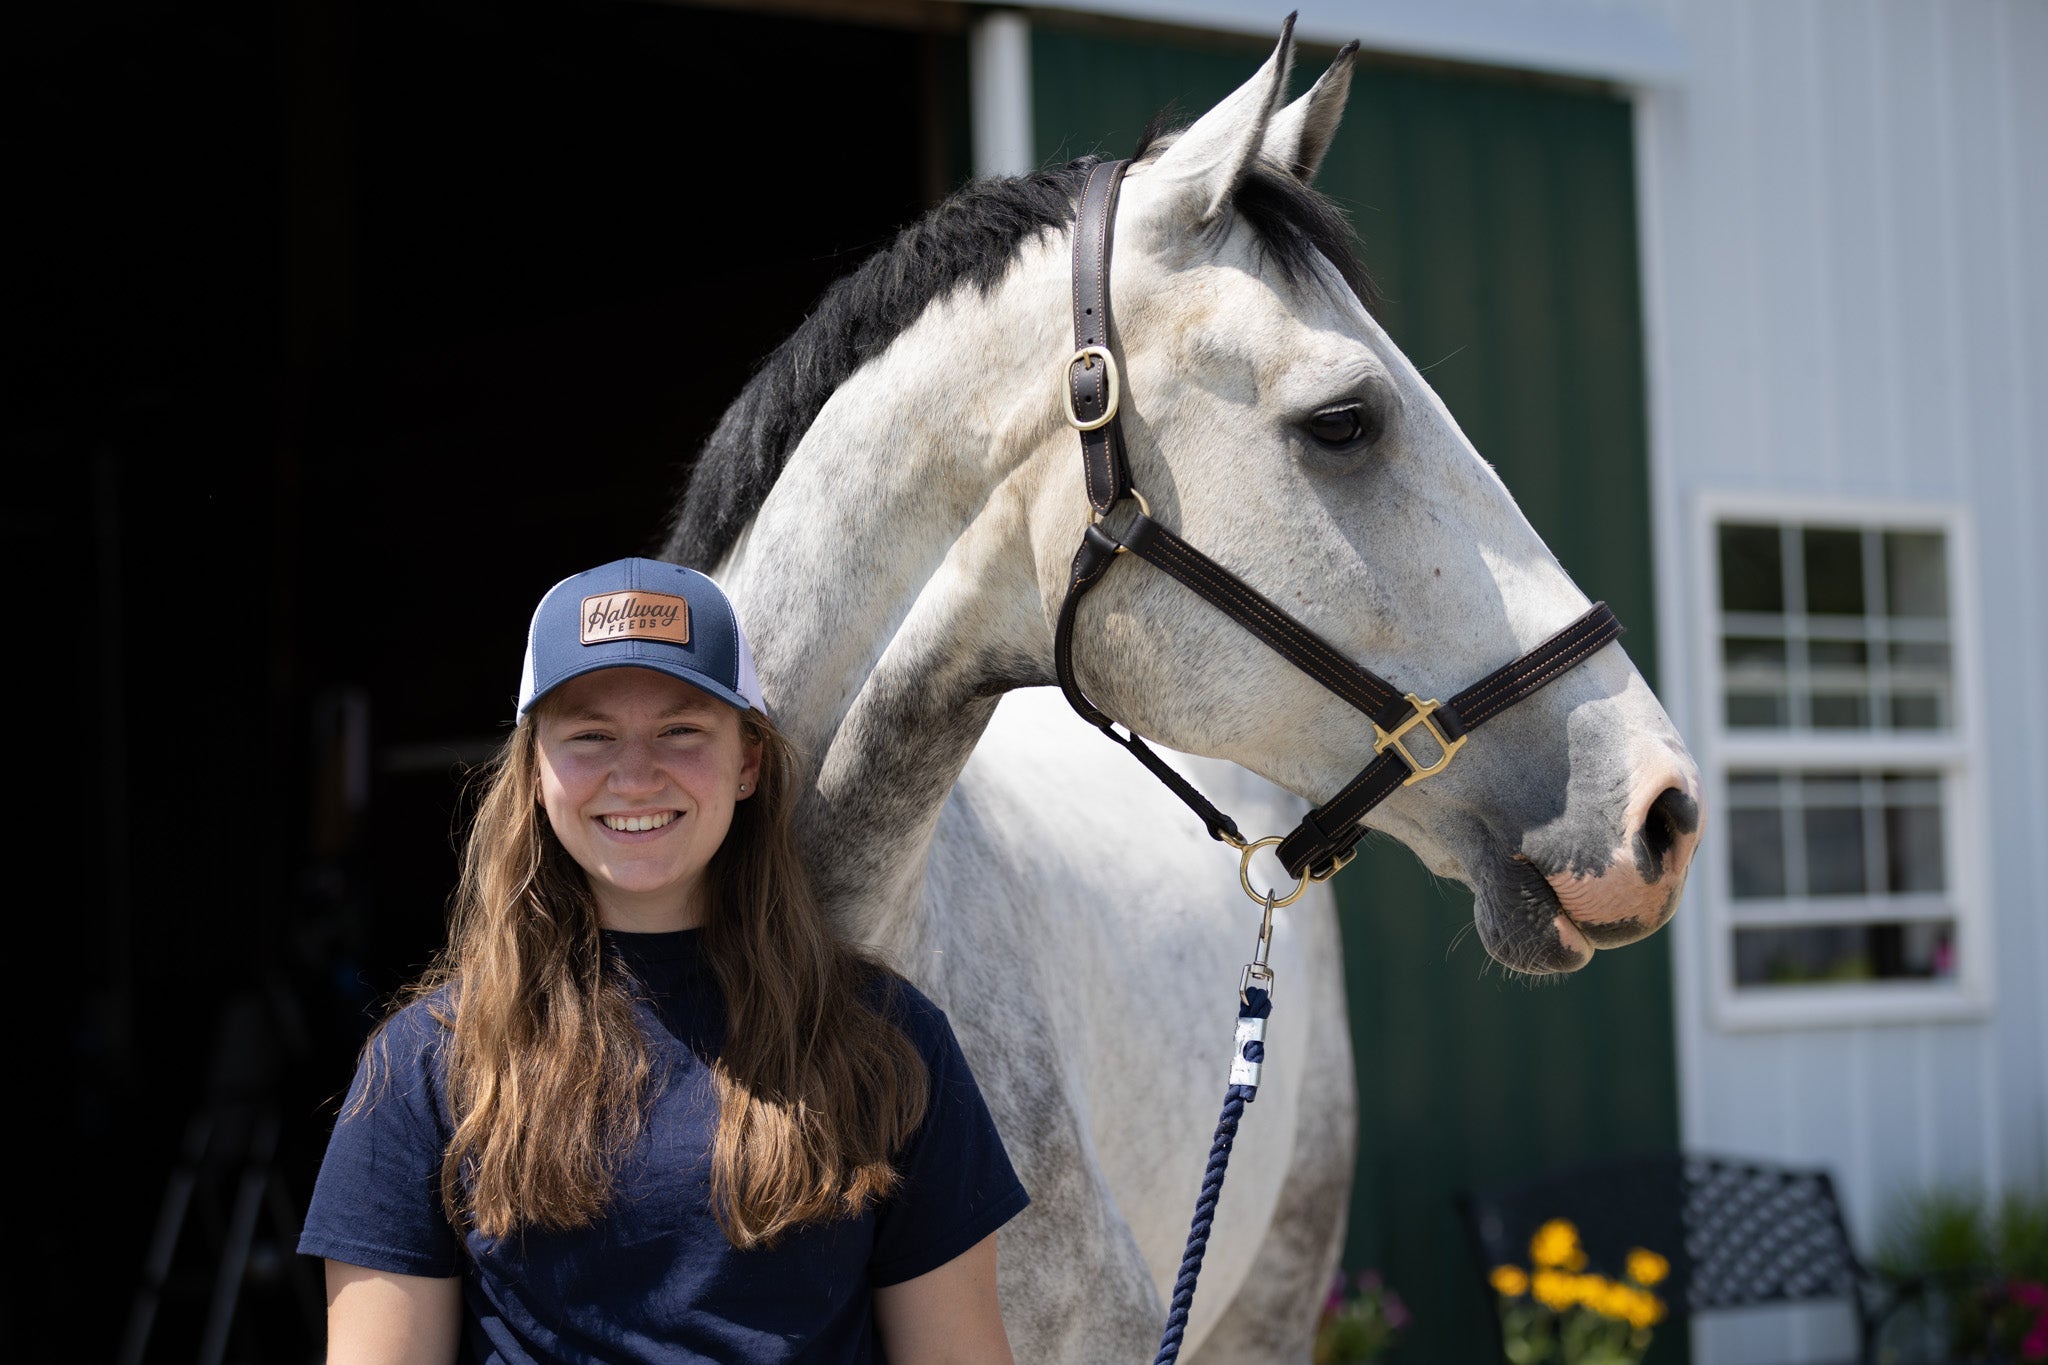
x,y
1322,843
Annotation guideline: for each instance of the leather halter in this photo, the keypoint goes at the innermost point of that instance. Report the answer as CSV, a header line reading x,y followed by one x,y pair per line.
x,y
1324,840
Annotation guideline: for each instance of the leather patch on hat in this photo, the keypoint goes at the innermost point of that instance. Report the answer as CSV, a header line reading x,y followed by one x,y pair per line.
x,y
636,616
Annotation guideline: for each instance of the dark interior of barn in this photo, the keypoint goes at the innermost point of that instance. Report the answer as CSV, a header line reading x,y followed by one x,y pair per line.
x,y
355,326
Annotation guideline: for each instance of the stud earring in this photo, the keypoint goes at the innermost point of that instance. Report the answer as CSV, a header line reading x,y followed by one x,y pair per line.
x,y
743,789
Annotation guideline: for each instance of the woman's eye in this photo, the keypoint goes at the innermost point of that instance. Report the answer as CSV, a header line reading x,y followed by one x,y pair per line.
x,y
1340,428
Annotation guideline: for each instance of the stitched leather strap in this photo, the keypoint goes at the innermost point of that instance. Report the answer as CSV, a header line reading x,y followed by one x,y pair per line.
x,y
1294,642
1102,450
1326,835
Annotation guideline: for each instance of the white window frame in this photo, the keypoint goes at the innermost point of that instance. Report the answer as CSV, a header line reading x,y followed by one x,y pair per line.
x,y
1957,755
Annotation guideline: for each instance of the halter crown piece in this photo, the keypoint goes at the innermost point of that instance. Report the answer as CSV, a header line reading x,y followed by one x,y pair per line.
x,y
1324,841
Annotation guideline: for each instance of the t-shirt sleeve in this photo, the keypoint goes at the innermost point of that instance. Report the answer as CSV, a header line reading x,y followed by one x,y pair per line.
x,y
958,1184
377,1202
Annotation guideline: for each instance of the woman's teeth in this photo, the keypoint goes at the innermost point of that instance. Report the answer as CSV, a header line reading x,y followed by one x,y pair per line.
x,y
628,824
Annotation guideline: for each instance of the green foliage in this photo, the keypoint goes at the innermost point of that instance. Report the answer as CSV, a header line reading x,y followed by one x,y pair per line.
x,y
1947,1235
1972,1274
1938,1235
2019,1237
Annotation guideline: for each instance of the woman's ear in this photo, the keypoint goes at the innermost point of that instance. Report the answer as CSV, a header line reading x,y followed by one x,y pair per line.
x,y
750,764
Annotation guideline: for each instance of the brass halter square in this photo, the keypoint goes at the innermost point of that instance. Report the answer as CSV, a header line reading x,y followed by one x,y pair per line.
x,y
1391,739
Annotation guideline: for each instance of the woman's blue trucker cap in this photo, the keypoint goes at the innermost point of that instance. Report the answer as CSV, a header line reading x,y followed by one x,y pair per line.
x,y
639,613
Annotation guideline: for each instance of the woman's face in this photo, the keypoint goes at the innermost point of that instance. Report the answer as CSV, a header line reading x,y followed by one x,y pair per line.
x,y
639,772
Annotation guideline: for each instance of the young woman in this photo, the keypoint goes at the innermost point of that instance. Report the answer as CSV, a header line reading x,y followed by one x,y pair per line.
x,y
645,1107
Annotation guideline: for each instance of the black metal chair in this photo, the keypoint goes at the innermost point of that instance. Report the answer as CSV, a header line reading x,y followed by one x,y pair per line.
x,y
1737,1232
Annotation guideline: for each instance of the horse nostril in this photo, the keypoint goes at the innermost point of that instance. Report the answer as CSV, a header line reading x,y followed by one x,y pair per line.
x,y
1672,815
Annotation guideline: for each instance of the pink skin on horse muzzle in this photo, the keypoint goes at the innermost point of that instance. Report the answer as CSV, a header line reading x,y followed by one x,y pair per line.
x,y
1637,890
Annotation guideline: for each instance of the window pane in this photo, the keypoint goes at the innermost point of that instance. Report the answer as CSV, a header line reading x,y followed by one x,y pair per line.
x,y
1909,788
1912,848
1758,711
1917,711
1752,569
1756,842
1834,571
1923,657
1851,952
1834,851
1840,710
1916,573
1747,787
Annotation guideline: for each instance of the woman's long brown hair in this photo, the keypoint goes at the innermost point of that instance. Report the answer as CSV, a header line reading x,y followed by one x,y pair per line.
x,y
546,1068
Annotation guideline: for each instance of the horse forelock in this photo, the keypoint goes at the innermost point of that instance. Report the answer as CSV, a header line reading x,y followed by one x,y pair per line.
x,y
969,239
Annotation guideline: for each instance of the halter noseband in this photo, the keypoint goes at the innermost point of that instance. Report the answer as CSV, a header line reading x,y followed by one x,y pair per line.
x,y
1324,840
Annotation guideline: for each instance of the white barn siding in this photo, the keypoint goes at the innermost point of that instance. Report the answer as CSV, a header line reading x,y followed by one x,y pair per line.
x,y
1845,223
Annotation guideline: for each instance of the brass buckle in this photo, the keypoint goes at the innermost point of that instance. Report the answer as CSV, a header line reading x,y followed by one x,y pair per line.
x,y
1337,864
1391,739
1067,388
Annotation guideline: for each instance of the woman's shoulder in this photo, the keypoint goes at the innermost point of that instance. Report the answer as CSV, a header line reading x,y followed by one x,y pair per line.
x,y
419,1026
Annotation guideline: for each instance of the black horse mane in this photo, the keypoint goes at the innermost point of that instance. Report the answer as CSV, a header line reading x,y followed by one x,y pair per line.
x,y
970,238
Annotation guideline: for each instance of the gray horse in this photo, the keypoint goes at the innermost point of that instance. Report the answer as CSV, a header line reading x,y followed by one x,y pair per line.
x,y
893,503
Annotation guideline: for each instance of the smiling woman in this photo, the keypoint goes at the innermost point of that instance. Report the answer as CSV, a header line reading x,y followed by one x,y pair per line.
x,y
646,1105
639,775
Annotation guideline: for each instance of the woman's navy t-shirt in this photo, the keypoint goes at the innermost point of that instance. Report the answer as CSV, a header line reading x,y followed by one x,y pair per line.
x,y
655,1279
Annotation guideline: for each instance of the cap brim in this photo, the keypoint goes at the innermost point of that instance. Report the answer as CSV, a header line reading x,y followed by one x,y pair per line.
x,y
709,687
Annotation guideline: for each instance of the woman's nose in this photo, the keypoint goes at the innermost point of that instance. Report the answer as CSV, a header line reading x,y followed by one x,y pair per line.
x,y
634,770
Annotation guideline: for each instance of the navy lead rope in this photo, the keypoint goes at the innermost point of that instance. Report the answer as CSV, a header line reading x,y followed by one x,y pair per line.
x,y
1255,1005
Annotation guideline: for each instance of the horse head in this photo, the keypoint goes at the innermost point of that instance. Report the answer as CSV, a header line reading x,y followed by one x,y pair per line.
x,y
1270,421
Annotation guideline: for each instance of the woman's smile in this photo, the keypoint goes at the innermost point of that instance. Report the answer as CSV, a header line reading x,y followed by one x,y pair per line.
x,y
638,824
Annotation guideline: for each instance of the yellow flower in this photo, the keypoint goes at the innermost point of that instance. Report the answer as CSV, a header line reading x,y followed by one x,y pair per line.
x,y
1554,1289
1509,1281
1647,1267
1556,1246
1605,1297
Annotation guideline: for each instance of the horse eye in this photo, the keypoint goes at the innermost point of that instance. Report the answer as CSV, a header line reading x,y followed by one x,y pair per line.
x,y
1341,428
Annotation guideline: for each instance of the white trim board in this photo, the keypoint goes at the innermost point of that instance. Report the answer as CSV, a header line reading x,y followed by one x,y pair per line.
x,y
1626,42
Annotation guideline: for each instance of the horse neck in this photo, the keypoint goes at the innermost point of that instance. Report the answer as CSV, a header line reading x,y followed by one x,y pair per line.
x,y
890,595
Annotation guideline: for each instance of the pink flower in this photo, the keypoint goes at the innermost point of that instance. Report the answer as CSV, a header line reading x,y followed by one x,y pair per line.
x,y
1334,1300
1396,1311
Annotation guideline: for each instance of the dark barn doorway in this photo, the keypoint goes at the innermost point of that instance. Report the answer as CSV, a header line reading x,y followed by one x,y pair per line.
x,y
353,327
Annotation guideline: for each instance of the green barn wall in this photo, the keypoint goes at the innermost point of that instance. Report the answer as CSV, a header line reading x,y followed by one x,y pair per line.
x,y
1498,217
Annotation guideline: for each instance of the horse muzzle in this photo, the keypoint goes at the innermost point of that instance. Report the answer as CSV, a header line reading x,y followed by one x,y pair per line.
x,y
1551,920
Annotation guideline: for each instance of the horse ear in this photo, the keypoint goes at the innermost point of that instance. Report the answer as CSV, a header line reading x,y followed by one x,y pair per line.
x,y
1210,158
1298,135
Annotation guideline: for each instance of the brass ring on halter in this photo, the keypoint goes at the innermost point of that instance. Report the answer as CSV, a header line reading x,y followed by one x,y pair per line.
x,y
1244,875
1095,519
1067,388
